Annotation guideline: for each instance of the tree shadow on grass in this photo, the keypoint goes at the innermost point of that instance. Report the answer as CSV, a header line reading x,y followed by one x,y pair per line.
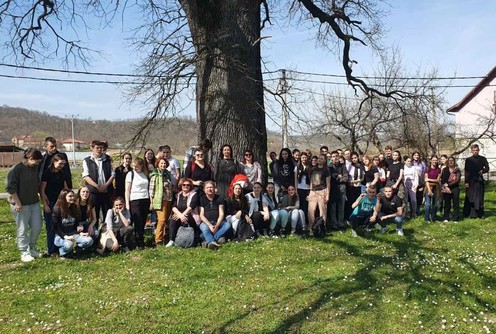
x,y
415,266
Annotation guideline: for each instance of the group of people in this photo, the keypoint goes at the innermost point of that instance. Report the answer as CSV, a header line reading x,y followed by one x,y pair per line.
x,y
230,201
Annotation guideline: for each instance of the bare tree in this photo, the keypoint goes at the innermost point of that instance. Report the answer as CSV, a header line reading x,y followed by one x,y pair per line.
x,y
211,44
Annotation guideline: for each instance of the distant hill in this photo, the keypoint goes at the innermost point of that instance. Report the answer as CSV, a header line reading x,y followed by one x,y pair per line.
x,y
179,133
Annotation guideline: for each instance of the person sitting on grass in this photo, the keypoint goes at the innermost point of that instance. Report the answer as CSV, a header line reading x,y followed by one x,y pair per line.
x,y
65,221
259,209
390,209
237,208
213,226
87,213
118,222
290,203
365,210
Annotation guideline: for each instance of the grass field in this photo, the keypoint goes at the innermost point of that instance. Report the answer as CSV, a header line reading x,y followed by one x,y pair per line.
x,y
439,278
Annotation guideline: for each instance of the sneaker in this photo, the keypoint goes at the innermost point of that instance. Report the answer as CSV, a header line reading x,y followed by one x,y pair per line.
x,y
204,244
126,249
445,221
383,230
221,240
34,253
455,222
213,245
282,235
100,251
170,243
400,232
265,234
26,257
353,233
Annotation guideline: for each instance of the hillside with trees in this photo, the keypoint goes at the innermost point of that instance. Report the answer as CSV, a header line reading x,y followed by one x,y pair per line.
x,y
179,133
176,132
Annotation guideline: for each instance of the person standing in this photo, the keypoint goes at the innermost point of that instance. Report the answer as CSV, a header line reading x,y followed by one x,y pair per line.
x,y
120,174
227,168
432,192
475,168
46,161
98,176
161,195
23,186
339,179
174,165
138,199
450,182
320,188
52,183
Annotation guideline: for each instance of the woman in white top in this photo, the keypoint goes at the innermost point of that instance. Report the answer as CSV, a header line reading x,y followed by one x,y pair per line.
x,y
138,199
411,182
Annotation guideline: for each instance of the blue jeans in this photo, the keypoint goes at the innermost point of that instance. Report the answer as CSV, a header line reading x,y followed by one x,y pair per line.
x,y
297,219
430,207
207,234
398,220
67,246
278,216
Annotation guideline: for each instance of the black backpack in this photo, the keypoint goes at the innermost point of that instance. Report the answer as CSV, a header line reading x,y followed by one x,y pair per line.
x,y
319,228
245,231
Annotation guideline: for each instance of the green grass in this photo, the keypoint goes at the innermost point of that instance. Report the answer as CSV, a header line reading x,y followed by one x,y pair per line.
x,y
439,278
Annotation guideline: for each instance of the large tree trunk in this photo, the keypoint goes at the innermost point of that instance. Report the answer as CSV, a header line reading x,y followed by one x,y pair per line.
x,y
229,88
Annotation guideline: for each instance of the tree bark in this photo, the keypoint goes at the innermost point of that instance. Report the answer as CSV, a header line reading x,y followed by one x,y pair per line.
x,y
229,87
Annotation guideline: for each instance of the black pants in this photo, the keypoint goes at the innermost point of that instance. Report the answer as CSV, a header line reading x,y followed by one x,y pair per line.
x,y
454,198
302,195
101,202
336,206
139,211
258,222
357,221
123,236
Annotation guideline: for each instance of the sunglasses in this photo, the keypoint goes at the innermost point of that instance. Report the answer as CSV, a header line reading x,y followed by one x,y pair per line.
x,y
199,155
248,154
186,185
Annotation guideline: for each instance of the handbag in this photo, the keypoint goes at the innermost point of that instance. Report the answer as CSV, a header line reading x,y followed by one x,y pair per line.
x,y
104,236
185,236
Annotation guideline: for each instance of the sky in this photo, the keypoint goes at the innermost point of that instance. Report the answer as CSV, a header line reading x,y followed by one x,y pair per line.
x,y
456,37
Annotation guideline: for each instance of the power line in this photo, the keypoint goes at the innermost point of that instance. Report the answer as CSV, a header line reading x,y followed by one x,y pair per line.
x,y
70,80
378,77
46,69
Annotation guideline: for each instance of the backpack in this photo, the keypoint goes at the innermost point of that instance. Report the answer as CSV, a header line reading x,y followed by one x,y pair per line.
x,y
244,231
319,228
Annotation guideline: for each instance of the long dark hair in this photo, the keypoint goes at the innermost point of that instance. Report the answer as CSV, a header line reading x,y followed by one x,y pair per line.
x,y
241,199
66,209
89,203
221,155
57,157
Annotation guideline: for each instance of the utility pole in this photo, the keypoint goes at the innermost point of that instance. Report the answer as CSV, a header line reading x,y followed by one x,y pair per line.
x,y
72,118
284,89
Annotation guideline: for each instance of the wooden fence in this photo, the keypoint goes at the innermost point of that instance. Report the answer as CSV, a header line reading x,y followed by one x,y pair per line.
x,y
9,159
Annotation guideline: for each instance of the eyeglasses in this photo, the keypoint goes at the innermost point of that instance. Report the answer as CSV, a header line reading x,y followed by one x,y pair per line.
x,y
248,154
186,185
199,155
